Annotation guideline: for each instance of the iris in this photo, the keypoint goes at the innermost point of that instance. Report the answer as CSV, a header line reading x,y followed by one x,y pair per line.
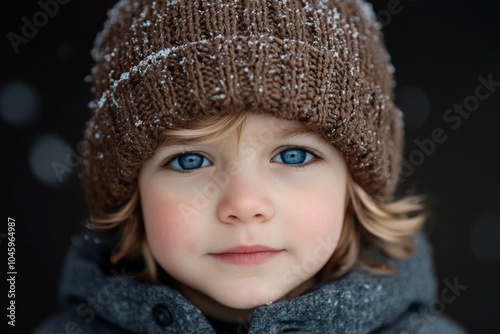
x,y
293,156
189,161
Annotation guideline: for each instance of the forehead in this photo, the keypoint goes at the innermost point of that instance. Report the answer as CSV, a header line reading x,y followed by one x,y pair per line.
x,y
220,130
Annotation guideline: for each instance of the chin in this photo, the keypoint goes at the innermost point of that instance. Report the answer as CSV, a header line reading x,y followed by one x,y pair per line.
x,y
250,299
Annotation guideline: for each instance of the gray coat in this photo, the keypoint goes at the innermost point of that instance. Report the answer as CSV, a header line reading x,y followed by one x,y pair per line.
x,y
99,299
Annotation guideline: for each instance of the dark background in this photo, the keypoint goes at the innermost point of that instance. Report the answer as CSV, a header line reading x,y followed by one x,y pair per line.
x,y
439,50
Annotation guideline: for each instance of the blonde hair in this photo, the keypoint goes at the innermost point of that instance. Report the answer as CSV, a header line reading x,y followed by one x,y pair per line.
x,y
387,226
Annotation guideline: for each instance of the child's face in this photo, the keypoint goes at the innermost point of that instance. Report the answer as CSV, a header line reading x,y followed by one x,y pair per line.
x,y
282,197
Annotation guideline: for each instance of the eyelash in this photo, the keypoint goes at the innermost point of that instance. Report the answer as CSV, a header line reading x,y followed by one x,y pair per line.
x,y
315,157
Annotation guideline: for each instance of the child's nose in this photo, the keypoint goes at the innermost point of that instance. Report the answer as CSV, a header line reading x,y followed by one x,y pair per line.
x,y
245,199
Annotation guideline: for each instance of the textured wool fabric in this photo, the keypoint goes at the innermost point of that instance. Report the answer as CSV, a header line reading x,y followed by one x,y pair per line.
x,y
99,299
163,64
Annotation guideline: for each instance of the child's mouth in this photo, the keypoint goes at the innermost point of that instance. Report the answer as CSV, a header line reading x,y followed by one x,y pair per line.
x,y
247,255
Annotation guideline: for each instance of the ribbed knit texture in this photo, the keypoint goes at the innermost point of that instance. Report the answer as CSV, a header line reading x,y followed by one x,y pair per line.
x,y
161,64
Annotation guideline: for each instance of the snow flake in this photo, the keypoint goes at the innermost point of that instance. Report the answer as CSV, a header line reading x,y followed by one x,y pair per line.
x,y
172,2
219,97
391,68
367,11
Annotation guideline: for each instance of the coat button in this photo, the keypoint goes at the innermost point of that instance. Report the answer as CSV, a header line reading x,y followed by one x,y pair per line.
x,y
162,315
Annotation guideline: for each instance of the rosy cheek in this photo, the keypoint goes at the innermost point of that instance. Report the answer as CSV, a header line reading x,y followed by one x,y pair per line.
x,y
166,226
322,217
321,224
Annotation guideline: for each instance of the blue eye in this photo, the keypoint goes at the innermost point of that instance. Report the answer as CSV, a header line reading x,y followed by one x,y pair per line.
x,y
293,156
189,161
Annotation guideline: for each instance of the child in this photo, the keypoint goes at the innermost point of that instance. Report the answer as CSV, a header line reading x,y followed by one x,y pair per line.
x,y
240,171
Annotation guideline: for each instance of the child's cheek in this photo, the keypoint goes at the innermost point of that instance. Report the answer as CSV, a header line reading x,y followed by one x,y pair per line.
x,y
321,219
322,228
166,226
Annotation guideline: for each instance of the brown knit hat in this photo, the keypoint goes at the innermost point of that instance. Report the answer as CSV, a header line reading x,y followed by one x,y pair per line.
x,y
161,64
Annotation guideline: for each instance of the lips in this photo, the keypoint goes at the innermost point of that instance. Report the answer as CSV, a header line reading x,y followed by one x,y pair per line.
x,y
247,255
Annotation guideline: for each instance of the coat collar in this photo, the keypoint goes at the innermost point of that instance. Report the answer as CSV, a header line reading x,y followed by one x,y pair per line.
x,y
356,303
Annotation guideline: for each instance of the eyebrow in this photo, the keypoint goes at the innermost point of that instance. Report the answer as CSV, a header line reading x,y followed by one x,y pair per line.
x,y
302,129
